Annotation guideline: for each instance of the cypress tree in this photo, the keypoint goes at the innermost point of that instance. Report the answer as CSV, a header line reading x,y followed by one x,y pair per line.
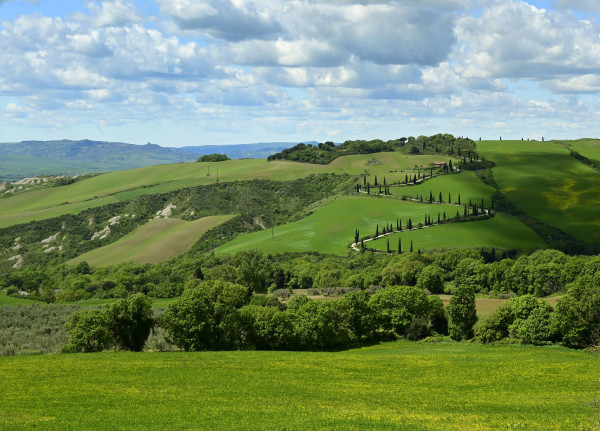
x,y
397,223
459,198
368,189
482,204
409,224
449,198
388,245
411,246
430,197
379,188
399,246
356,237
362,243
440,198
375,180
438,218
377,231
450,165
364,180
466,212
444,215
384,231
406,179
384,183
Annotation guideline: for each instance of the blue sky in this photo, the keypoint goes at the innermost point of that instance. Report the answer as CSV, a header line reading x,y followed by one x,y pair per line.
x,y
197,72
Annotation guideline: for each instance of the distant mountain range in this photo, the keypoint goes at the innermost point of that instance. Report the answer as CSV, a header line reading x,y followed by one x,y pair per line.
x,y
31,158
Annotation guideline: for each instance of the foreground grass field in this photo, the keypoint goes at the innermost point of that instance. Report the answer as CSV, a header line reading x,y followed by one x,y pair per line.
x,y
544,181
400,385
155,242
331,229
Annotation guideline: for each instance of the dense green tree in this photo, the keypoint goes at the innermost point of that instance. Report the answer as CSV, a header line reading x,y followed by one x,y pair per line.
x,y
130,321
431,278
462,311
397,306
88,332
198,319
252,269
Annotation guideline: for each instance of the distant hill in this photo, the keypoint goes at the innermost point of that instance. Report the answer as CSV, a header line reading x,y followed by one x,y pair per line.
x,y
260,150
29,158
19,160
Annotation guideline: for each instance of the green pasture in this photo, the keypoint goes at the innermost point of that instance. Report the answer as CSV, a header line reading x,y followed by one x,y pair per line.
x,y
501,231
399,385
154,242
124,185
544,181
589,148
466,184
11,300
331,228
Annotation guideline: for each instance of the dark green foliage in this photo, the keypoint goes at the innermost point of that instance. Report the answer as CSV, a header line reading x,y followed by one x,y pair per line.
x,y
524,318
130,321
203,316
324,154
359,313
88,332
437,315
462,313
431,278
397,306
213,158
125,324
577,314
252,269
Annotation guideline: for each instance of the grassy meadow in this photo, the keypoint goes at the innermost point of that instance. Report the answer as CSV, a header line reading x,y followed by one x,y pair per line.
x,y
154,242
398,385
501,231
544,181
466,184
330,229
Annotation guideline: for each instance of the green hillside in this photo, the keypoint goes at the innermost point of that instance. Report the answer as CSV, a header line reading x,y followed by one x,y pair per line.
x,y
154,242
125,185
331,228
400,385
544,181
589,148
504,232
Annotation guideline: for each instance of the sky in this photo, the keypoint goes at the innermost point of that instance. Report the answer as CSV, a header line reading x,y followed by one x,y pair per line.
x,y
201,72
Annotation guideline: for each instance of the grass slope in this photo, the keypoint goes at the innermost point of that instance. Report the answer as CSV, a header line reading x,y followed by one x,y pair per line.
x,y
155,242
123,185
398,385
544,181
501,231
331,228
466,184
589,148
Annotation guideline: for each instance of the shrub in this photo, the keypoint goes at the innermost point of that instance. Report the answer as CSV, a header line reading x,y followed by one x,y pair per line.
x,y
88,332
